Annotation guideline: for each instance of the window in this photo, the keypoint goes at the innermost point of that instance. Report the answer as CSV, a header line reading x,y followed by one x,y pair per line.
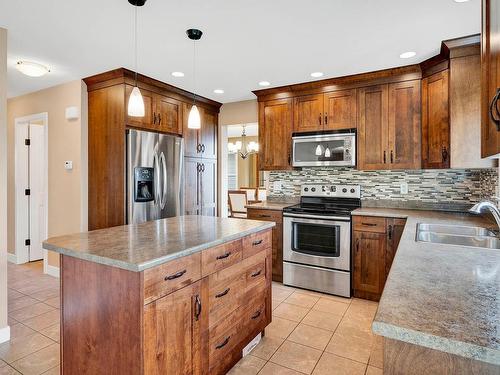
x,y
232,171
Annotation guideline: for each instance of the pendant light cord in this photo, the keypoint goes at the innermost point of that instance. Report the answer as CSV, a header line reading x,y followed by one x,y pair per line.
x,y
194,72
135,44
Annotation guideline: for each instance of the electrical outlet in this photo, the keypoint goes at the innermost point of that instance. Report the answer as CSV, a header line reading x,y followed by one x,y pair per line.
x,y
404,188
277,185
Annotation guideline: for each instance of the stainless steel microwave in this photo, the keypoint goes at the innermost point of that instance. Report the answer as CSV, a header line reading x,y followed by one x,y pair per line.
x,y
326,149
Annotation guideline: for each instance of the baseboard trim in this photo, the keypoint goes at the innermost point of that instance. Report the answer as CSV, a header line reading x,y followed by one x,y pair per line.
x,y
52,270
4,334
12,258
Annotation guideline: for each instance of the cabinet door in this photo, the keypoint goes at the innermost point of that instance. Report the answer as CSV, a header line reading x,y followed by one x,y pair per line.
x,y
308,113
208,187
373,139
173,327
275,125
404,125
490,79
340,109
369,264
191,136
208,134
395,229
435,121
169,114
191,186
149,112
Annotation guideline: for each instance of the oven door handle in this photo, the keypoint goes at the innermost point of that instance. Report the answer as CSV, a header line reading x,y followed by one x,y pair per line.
x,y
319,217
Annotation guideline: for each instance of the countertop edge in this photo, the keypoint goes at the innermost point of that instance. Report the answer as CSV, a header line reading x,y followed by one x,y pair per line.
x,y
158,261
460,348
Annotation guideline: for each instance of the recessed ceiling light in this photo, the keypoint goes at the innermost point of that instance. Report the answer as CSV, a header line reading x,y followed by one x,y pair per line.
x,y
32,69
316,74
219,91
407,55
264,83
178,74
460,1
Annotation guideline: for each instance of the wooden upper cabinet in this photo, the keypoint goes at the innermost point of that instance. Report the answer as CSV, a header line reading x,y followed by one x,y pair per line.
x,y
490,78
168,114
275,128
340,109
435,121
308,113
208,137
147,120
191,136
404,125
373,130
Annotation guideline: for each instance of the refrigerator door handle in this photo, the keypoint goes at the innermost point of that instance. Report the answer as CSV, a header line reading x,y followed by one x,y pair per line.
x,y
156,166
163,197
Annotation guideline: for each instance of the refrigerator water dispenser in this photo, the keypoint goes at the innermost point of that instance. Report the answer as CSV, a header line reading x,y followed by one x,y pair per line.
x,y
143,184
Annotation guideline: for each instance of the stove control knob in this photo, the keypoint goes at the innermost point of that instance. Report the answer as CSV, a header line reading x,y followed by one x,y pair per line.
x,y
353,190
323,188
313,189
333,189
344,190
306,189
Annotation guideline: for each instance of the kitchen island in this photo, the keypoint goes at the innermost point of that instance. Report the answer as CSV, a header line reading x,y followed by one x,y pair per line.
x,y
182,295
439,312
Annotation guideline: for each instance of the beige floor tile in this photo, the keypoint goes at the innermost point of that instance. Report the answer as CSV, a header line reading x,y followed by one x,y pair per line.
x,y
374,371
274,369
7,370
54,302
267,347
279,294
313,337
324,295
52,332
20,347
351,343
296,357
20,302
43,321
377,352
30,311
248,365
363,323
54,371
13,294
11,321
39,362
303,300
46,294
290,312
275,303
19,330
330,364
322,320
331,306
280,328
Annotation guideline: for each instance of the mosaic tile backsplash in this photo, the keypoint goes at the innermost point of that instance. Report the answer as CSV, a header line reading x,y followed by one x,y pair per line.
x,y
440,186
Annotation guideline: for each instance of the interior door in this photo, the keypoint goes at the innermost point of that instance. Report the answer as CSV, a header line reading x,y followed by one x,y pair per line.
x,y
308,113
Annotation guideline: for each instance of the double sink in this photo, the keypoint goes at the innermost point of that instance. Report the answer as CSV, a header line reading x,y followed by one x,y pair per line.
x,y
458,235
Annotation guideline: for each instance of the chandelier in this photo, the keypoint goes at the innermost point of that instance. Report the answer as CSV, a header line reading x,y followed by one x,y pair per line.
x,y
243,148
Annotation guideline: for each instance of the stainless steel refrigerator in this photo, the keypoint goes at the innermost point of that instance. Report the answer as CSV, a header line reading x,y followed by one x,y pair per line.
x,y
155,181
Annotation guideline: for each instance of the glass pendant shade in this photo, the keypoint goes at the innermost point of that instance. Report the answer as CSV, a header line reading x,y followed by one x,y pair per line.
x,y
319,150
194,121
327,152
136,103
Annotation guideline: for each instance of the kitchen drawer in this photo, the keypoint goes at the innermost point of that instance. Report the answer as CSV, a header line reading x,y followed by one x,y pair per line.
x,y
220,257
254,318
169,277
256,242
255,270
369,224
265,215
224,336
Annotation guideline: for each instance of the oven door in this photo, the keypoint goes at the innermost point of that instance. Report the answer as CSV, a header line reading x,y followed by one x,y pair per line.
x,y
317,241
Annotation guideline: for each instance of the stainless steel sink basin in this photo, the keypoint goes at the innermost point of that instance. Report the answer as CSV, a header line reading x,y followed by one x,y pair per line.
x,y
460,230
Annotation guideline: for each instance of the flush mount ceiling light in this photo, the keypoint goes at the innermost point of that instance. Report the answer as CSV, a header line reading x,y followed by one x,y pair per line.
x,y
135,106
177,74
460,1
316,74
219,91
407,55
32,69
264,83
194,121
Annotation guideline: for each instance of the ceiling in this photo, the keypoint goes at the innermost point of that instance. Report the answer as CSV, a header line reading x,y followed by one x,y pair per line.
x,y
244,42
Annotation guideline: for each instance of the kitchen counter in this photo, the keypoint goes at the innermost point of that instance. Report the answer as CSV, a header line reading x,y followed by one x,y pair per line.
x,y
147,245
440,296
272,205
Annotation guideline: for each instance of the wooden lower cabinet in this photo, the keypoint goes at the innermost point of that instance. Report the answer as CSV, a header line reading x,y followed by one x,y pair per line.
x,y
375,241
200,327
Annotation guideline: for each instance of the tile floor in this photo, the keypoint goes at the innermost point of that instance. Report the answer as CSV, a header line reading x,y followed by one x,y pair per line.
x,y
311,333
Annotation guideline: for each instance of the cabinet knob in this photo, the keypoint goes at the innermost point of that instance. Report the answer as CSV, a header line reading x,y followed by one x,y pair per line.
x,y
326,118
159,118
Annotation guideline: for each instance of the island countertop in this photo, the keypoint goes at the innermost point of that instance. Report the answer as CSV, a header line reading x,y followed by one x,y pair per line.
x,y
142,246
441,296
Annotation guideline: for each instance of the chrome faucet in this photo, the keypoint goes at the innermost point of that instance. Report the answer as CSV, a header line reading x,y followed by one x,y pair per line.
x,y
478,208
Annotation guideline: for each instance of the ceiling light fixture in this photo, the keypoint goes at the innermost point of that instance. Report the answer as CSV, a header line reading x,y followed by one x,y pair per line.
x,y
178,74
407,55
194,121
32,69
135,106
460,1
264,83
219,91
316,74
243,148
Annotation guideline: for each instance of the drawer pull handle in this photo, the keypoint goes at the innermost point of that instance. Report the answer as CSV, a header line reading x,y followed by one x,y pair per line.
x,y
256,315
369,224
224,256
223,343
175,275
256,273
258,242
223,293
264,215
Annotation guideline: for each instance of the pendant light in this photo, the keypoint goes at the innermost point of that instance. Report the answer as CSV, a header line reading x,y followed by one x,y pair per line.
x,y
135,106
194,121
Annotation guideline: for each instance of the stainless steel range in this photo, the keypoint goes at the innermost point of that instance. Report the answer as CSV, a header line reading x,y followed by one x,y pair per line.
x,y
317,239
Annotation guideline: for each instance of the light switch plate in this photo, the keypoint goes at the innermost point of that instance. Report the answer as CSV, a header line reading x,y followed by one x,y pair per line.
x,y
404,188
68,165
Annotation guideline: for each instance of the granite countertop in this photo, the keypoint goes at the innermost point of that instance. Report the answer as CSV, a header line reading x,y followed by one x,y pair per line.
x,y
272,205
142,246
440,296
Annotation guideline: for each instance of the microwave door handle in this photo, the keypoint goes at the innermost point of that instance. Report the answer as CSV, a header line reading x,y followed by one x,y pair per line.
x,y
163,198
